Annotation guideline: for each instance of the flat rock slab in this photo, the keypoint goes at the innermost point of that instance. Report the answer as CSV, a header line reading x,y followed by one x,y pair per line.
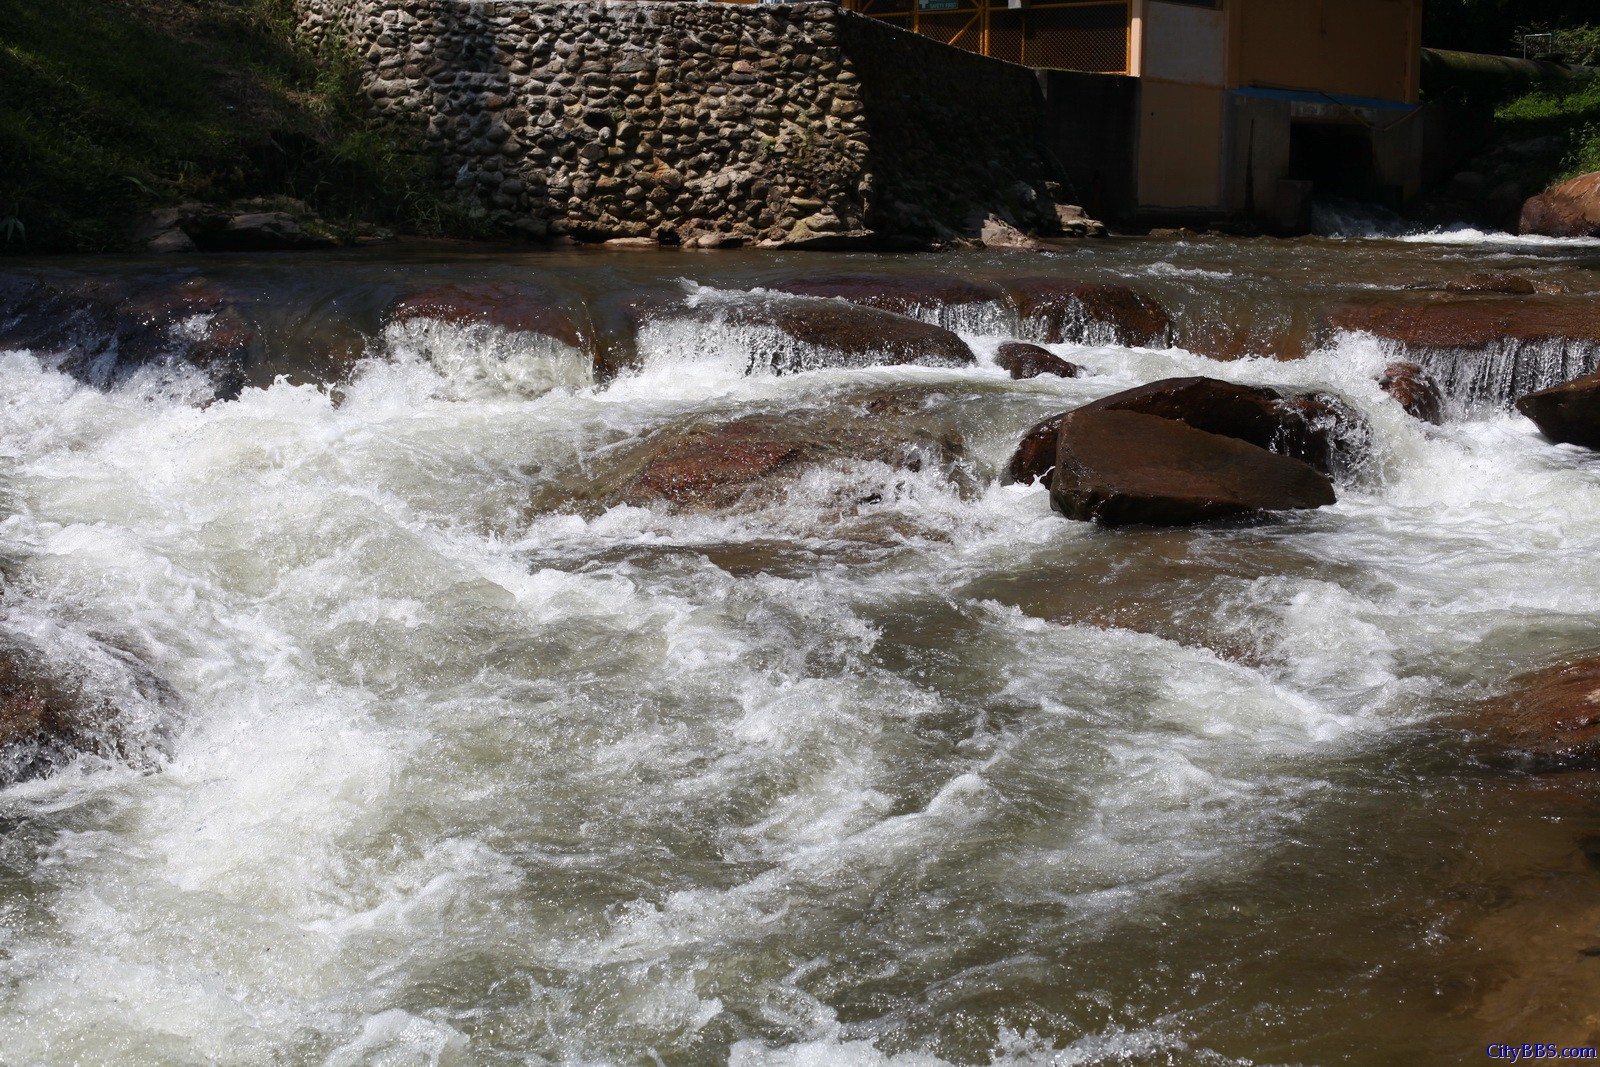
x,y
1440,321
1119,468
1568,413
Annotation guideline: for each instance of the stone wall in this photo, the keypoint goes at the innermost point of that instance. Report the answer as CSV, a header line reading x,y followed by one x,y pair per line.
x,y
700,123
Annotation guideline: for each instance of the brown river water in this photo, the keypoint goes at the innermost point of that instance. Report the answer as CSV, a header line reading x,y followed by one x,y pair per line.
x,y
455,759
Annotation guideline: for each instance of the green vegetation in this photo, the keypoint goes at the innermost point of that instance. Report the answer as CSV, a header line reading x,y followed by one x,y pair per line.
x,y
111,108
1566,116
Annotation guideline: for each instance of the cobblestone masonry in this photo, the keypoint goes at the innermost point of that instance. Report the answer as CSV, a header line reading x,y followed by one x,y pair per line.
x,y
701,123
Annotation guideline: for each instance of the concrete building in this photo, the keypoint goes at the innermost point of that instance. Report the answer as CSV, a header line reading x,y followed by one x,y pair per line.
x,y
1194,109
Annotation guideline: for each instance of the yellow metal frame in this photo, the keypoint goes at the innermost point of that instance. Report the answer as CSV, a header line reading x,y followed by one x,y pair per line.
x,y
981,11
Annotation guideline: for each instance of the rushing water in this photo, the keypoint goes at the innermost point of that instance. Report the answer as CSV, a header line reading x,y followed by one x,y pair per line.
x,y
886,769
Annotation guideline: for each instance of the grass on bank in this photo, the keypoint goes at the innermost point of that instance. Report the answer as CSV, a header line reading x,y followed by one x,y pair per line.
x,y
112,108
1567,115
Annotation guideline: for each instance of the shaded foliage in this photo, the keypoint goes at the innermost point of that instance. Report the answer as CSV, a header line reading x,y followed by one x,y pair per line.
x,y
1493,26
109,109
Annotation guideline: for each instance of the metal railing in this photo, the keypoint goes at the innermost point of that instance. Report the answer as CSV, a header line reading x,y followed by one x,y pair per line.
x,y
1090,35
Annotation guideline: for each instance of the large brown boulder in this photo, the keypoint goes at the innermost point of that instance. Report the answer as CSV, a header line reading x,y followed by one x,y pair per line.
x,y
1414,390
1022,360
1317,428
1569,413
1571,209
1119,468
513,308
1091,312
1552,717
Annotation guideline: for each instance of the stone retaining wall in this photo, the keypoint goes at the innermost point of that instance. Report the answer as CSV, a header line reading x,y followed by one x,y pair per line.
x,y
700,123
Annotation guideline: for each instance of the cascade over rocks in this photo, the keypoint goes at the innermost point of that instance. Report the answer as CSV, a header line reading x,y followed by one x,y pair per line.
x,y
515,309
1569,413
1119,468
1571,209
1317,428
101,330
1552,717
795,333
1414,390
1022,360
1091,312
919,296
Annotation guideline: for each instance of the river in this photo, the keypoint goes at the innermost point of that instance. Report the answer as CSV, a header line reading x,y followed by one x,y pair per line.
x,y
450,764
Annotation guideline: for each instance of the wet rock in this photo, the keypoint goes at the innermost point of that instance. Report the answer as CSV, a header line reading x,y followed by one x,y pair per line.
x,y
1569,413
1315,427
1414,390
1120,468
1022,360
516,309
915,295
1091,312
1571,209
1445,322
716,466
1551,718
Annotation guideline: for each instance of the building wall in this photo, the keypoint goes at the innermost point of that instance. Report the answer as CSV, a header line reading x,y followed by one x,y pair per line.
x,y
1357,47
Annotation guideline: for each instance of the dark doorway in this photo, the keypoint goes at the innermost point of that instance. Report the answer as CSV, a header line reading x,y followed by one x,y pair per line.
x,y
1337,159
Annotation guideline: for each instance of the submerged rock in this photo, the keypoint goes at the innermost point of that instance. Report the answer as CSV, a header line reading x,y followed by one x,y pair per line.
x,y
1022,360
716,465
1118,468
1571,209
1414,390
1317,428
1552,717
1492,281
48,717
1091,312
1568,413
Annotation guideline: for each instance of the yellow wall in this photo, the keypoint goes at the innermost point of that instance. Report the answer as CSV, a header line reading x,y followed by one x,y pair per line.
x,y
1359,47
1180,145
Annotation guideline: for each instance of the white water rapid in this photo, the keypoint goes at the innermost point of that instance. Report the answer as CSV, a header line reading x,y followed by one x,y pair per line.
x,y
886,772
